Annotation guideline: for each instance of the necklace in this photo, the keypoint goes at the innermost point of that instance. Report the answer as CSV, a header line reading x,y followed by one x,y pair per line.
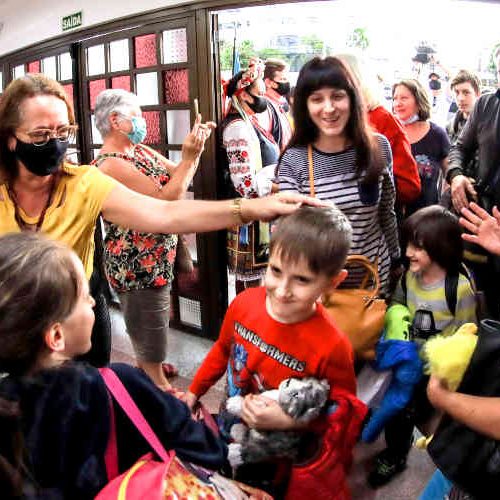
x,y
20,222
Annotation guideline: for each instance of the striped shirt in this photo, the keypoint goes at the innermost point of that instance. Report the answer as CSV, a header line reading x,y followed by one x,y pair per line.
x,y
370,209
433,298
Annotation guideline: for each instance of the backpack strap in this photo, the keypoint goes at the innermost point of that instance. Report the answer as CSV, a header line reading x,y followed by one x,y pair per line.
x,y
127,404
451,291
451,287
404,287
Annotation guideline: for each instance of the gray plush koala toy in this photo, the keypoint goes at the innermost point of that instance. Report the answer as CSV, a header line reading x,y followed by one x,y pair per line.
x,y
302,399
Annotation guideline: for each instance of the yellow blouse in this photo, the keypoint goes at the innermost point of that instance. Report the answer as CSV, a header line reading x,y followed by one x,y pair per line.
x,y
71,217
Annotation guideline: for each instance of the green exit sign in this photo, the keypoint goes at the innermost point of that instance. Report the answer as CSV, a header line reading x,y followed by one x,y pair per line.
x,y
72,21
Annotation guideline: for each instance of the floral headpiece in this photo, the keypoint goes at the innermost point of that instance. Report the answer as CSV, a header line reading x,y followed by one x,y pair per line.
x,y
254,71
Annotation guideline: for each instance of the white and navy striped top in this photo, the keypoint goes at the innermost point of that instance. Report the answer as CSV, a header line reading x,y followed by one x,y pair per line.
x,y
370,209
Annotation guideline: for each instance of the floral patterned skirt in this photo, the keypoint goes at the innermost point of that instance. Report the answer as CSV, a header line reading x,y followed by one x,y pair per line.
x,y
247,257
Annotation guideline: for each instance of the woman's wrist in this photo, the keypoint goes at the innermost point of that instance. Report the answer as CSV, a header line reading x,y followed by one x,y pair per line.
x,y
439,396
239,211
188,164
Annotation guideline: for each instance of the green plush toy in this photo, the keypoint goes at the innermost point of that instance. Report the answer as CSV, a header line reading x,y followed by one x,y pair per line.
x,y
397,323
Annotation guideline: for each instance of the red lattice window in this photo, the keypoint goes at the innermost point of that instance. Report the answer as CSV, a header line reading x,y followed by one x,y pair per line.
x,y
121,82
153,123
68,88
145,50
95,88
34,67
176,82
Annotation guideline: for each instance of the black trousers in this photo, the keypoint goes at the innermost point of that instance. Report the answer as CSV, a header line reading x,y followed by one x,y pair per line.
x,y
399,430
100,352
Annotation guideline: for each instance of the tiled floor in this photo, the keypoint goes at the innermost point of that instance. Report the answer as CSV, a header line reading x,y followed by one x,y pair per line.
x,y
187,351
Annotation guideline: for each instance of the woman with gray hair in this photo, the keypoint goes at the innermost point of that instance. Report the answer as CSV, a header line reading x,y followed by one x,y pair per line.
x,y
139,266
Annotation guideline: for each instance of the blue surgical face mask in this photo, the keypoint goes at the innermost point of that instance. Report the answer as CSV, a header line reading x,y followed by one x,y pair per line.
x,y
412,119
139,129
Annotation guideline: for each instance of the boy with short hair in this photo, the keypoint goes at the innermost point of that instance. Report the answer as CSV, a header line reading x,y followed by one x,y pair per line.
x,y
280,330
467,88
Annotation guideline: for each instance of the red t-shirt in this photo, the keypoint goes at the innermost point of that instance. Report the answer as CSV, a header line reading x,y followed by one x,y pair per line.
x,y
259,352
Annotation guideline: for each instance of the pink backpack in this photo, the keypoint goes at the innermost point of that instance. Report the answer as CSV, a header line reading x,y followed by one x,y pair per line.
x,y
148,477
169,477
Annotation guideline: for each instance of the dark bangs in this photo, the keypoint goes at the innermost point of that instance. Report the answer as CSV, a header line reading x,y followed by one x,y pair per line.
x,y
332,72
316,74
437,231
324,75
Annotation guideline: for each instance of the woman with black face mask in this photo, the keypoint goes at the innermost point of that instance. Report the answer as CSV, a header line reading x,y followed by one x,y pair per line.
x,y
39,191
250,154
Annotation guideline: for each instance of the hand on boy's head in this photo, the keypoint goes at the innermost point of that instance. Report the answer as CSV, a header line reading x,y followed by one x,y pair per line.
x,y
316,202
262,413
268,208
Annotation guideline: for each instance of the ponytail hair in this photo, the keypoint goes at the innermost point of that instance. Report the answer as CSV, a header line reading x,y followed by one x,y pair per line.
x,y
39,286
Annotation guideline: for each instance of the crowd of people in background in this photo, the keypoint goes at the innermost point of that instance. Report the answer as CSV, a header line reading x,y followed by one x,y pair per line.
x,y
346,177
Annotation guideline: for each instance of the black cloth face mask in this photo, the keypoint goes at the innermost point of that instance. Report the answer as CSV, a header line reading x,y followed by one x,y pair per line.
x,y
258,105
434,84
41,160
283,88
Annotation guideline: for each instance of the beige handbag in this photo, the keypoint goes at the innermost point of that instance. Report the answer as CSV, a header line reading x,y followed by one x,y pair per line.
x,y
358,312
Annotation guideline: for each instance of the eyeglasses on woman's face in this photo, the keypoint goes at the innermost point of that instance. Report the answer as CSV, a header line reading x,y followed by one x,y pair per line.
x,y
41,136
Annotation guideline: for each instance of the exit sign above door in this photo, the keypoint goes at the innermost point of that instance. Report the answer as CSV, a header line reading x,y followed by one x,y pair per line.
x,y
72,21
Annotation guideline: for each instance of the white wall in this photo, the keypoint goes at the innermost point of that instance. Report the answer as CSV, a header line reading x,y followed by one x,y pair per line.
x,y
26,22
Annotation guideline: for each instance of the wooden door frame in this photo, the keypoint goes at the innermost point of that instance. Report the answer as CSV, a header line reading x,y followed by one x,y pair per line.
x,y
211,246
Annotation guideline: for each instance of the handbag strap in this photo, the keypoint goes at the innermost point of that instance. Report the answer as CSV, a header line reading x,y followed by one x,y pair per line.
x,y
372,271
127,404
311,169
358,259
111,453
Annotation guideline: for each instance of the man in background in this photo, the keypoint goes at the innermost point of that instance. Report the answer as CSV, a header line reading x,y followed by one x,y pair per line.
x,y
480,136
466,88
277,88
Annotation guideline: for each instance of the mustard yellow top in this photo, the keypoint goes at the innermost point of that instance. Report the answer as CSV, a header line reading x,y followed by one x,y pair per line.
x,y
72,215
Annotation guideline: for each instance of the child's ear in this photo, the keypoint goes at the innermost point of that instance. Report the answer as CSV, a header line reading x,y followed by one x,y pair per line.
x,y
338,279
54,338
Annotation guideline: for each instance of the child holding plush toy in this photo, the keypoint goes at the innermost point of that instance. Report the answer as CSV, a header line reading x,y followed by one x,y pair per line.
x,y
281,331
440,297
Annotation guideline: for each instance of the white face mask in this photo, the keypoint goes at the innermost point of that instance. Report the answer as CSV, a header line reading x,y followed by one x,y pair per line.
x,y
412,119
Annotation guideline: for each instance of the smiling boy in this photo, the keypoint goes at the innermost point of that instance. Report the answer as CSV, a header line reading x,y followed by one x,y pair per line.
x,y
280,330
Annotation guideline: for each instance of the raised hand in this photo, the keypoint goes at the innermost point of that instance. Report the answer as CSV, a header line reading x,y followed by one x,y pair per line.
x,y
194,143
484,228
